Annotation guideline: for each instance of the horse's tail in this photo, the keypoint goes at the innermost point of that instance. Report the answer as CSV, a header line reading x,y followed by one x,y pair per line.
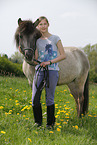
x,y
86,96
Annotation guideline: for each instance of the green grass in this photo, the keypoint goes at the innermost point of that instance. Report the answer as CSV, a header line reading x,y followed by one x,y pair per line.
x,y
16,117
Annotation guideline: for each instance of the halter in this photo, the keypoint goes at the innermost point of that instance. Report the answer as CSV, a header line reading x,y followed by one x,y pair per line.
x,y
23,52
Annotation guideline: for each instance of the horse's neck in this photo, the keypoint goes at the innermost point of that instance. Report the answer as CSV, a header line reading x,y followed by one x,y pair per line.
x,y
28,70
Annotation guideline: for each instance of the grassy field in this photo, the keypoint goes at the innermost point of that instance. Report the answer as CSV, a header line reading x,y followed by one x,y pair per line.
x,y
16,117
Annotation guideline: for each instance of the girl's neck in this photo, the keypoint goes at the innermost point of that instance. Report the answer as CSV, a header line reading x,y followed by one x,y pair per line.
x,y
45,35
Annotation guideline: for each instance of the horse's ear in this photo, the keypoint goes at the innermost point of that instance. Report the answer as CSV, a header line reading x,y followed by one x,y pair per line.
x,y
36,23
19,21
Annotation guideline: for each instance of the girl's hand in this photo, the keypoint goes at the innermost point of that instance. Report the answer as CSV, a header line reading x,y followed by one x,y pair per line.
x,y
44,64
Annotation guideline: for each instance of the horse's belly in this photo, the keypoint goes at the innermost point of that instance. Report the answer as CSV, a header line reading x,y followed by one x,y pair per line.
x,y
68,71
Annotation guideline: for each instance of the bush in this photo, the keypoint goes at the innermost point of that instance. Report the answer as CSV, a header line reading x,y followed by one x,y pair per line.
x,y
9,68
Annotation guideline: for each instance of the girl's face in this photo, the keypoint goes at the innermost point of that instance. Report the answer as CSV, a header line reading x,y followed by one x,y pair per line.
x,y
43,26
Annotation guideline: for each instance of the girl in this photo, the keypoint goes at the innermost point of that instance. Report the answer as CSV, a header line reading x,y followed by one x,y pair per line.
x,y
47,48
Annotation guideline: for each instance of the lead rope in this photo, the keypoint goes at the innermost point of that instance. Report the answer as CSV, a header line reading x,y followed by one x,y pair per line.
x,y
45,81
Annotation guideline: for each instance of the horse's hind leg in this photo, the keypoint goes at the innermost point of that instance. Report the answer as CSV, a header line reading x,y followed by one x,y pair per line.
x,y
77,93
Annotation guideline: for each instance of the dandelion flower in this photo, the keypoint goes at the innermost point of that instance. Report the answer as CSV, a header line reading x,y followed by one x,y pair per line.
x,y
16,101
29,139
60,126
57,123
65,122
1,107
58,129
51,132
16,90
3,132
76,126
17,104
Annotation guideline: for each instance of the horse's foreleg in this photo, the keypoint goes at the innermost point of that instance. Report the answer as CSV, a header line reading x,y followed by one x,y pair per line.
x,y
30,83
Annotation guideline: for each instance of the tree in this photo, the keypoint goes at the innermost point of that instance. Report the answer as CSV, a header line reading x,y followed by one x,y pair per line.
x,y
17,57
91,52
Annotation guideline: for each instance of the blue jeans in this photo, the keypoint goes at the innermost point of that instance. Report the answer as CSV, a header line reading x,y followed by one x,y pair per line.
x,y
53,79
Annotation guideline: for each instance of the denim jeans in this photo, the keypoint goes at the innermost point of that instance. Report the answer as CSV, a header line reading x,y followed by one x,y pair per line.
x,y
53,79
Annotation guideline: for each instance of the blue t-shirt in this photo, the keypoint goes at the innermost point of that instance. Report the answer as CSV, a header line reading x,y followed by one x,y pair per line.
x,y
47,50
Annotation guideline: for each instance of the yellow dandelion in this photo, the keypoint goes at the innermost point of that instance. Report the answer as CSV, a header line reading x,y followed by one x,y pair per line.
x,y
64,122
3,132
29,139
66,108
56,104
67,114
28,108
16,101
24,91
71,95
57,123
76,126
56,116
43,103
16,90
90,115
60,126
36,132
1,107
51,132
17,104
68,102
61,119
5,98
10,88
17,113
67,117
23,115
6,113
58,129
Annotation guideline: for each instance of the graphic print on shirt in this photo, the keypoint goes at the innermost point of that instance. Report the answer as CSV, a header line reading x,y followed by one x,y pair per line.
x,y
49,54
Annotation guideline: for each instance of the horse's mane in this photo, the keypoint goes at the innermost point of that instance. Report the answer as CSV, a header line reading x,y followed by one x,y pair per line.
x,y
26,27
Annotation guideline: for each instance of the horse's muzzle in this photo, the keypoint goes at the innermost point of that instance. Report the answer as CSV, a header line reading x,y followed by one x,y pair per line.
x,y
28,55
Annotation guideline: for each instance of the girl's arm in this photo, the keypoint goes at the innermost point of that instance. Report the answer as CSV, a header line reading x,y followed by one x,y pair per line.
x,y
59,58
36,56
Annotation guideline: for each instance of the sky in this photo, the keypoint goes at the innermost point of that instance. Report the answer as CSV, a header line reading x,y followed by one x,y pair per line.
x,y
74,21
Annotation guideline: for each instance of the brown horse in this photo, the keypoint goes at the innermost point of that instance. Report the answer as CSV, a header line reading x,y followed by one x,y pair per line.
x,y
74,69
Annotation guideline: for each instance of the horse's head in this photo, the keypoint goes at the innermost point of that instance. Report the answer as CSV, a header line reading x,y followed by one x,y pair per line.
x,y
26,36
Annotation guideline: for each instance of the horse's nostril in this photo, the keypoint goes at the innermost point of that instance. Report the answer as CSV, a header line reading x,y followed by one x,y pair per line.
x,y
28,56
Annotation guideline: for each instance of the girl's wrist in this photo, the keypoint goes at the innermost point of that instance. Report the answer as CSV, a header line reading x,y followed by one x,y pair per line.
x,y
50,62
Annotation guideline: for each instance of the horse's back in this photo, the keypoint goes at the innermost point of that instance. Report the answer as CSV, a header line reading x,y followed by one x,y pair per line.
x,y
73,66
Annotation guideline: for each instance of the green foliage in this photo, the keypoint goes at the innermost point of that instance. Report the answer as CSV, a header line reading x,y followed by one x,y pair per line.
x,y
91,52
9,68
16,118
17,57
